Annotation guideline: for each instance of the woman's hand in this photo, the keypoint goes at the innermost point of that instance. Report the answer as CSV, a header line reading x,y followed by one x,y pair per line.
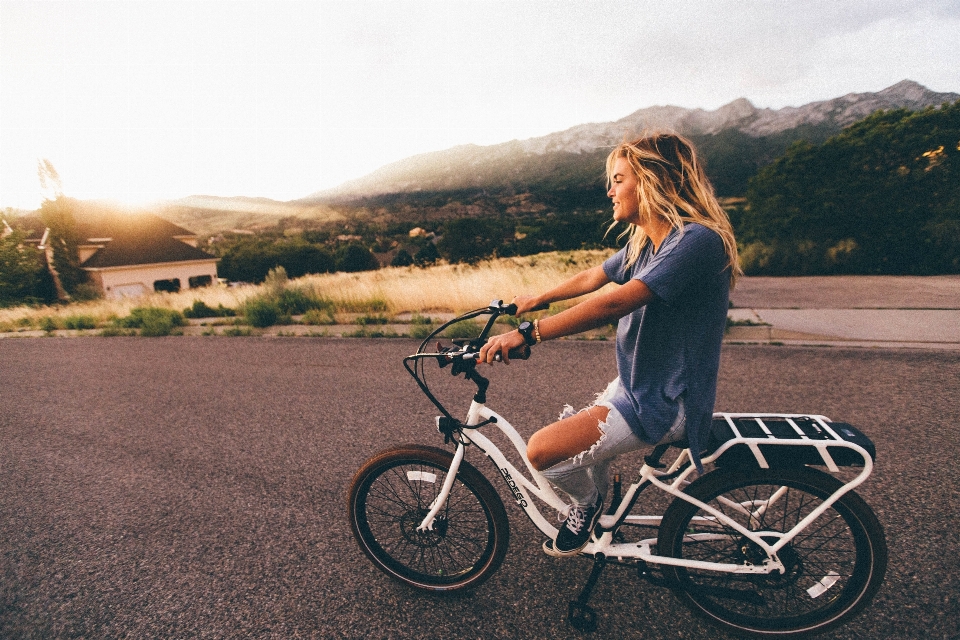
x,y
501,344
529,303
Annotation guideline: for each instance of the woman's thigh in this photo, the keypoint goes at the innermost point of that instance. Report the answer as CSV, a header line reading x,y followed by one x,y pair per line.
x,y
566,438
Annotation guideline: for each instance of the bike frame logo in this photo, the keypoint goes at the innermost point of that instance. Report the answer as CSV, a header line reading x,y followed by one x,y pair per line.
x,y
517,494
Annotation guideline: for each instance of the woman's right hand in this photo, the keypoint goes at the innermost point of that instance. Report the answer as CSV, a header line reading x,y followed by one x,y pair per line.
x,y
500,346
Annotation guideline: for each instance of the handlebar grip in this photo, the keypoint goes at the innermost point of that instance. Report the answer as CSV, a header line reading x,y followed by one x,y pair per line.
x,y
520,353
511,309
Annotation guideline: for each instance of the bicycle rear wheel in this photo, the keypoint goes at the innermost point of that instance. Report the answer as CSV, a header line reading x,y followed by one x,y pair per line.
x,y
392,493
833,567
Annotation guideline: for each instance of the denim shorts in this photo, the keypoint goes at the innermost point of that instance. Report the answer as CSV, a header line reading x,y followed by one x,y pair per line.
x,y
677,431
585,475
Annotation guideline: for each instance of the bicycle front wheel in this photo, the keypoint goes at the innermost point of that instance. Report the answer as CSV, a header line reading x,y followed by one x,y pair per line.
x,y
833,567
389,498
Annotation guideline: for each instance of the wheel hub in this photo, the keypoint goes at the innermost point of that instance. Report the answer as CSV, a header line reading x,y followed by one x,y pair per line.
x,y
429,538
749,552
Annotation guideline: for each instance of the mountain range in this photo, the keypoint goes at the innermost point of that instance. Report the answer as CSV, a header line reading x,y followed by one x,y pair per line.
x,y
559,172
722,136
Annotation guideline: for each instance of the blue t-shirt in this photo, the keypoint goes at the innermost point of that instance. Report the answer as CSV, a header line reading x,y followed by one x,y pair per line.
x,y
670,347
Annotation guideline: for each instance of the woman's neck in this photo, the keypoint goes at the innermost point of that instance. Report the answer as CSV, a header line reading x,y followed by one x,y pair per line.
x,y
657,230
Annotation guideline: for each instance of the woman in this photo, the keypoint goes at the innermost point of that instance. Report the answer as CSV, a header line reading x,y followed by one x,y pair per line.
x,y
675,274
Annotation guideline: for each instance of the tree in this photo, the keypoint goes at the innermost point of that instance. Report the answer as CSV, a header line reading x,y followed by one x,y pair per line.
x,y
469,239
356,257
24,278
250,259
402,259
426,255
58,216
300,258
883,196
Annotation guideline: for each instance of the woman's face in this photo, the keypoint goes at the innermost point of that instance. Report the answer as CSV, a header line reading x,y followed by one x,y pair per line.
x,y
623,192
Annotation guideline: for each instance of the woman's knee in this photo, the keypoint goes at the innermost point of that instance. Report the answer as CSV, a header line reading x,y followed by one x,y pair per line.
x,y
539,453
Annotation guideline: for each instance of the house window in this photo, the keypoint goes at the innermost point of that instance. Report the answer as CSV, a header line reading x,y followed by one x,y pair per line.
x,y
200,281
170,286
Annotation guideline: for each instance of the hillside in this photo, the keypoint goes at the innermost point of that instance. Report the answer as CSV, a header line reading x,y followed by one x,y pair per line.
x,y
735,140
561,173
210,215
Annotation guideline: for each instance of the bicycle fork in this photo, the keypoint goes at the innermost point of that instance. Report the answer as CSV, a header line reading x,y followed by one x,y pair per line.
x,y
441,499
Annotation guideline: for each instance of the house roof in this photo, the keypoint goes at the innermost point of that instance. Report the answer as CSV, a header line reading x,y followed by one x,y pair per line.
x,y
134,238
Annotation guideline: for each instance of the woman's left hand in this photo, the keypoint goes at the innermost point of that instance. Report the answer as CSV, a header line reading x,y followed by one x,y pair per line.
x,y
501,345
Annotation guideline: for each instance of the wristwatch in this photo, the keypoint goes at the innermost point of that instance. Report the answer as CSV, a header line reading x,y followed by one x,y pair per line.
x,y
526,330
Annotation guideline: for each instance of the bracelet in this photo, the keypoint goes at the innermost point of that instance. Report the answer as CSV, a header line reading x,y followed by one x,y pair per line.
x,y
536,331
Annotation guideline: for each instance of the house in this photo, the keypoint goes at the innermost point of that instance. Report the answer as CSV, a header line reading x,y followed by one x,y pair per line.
x,y
126,253
129,254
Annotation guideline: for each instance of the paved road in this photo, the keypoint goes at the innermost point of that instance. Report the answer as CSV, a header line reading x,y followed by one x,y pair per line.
x,y
848,292
194,487
867,311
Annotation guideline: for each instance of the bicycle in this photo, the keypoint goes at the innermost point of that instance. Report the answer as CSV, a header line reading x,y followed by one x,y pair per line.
x,y
763,544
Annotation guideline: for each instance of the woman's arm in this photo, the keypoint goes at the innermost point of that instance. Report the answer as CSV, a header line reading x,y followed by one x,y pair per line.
x,y
589,314
583,283
597,311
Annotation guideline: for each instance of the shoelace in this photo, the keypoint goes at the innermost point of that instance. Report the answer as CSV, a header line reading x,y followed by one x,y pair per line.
x,y
575,517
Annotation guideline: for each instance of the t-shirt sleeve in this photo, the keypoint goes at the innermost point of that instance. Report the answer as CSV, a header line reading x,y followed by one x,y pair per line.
x,y
613,267
695,254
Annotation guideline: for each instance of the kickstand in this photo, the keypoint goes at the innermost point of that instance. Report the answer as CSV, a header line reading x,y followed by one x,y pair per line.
x,y
581,615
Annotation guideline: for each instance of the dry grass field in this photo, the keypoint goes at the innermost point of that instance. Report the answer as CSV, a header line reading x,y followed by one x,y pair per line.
x,y
391,291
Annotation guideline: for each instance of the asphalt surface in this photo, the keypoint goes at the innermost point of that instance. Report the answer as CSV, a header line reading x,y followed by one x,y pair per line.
x,y
865,311
195,487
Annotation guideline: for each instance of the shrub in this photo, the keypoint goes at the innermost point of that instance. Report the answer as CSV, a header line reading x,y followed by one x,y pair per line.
x,y
318,316
371,305
466,329
296,302
420,331
112,332
261,313
367,319
48,324
363,332
79,322
153,321
201,309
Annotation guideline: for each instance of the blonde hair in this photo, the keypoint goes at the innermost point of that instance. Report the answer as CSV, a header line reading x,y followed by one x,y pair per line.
x,y
671,184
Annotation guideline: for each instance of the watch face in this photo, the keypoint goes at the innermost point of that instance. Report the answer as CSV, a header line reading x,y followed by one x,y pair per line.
x,y
526,330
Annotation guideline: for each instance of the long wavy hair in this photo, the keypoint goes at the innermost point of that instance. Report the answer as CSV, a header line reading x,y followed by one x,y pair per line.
x,y
671,184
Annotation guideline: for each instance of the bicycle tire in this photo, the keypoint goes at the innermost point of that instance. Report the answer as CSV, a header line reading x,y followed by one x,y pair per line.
x,y
834,566
392,493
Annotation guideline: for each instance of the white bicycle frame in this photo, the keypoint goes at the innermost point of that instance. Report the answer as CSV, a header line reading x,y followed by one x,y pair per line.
x,y
523,488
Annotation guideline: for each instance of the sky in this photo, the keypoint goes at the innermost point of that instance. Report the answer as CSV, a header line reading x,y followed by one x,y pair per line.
x,y
137,101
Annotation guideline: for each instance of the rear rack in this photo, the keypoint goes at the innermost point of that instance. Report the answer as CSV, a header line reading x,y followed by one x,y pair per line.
x,y
773,440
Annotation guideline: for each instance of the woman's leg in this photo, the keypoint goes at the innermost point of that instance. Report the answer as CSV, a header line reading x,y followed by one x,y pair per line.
x,y
575,453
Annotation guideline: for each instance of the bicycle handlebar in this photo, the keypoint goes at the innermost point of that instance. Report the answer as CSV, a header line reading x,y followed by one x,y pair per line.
x,y
464,355
518,353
